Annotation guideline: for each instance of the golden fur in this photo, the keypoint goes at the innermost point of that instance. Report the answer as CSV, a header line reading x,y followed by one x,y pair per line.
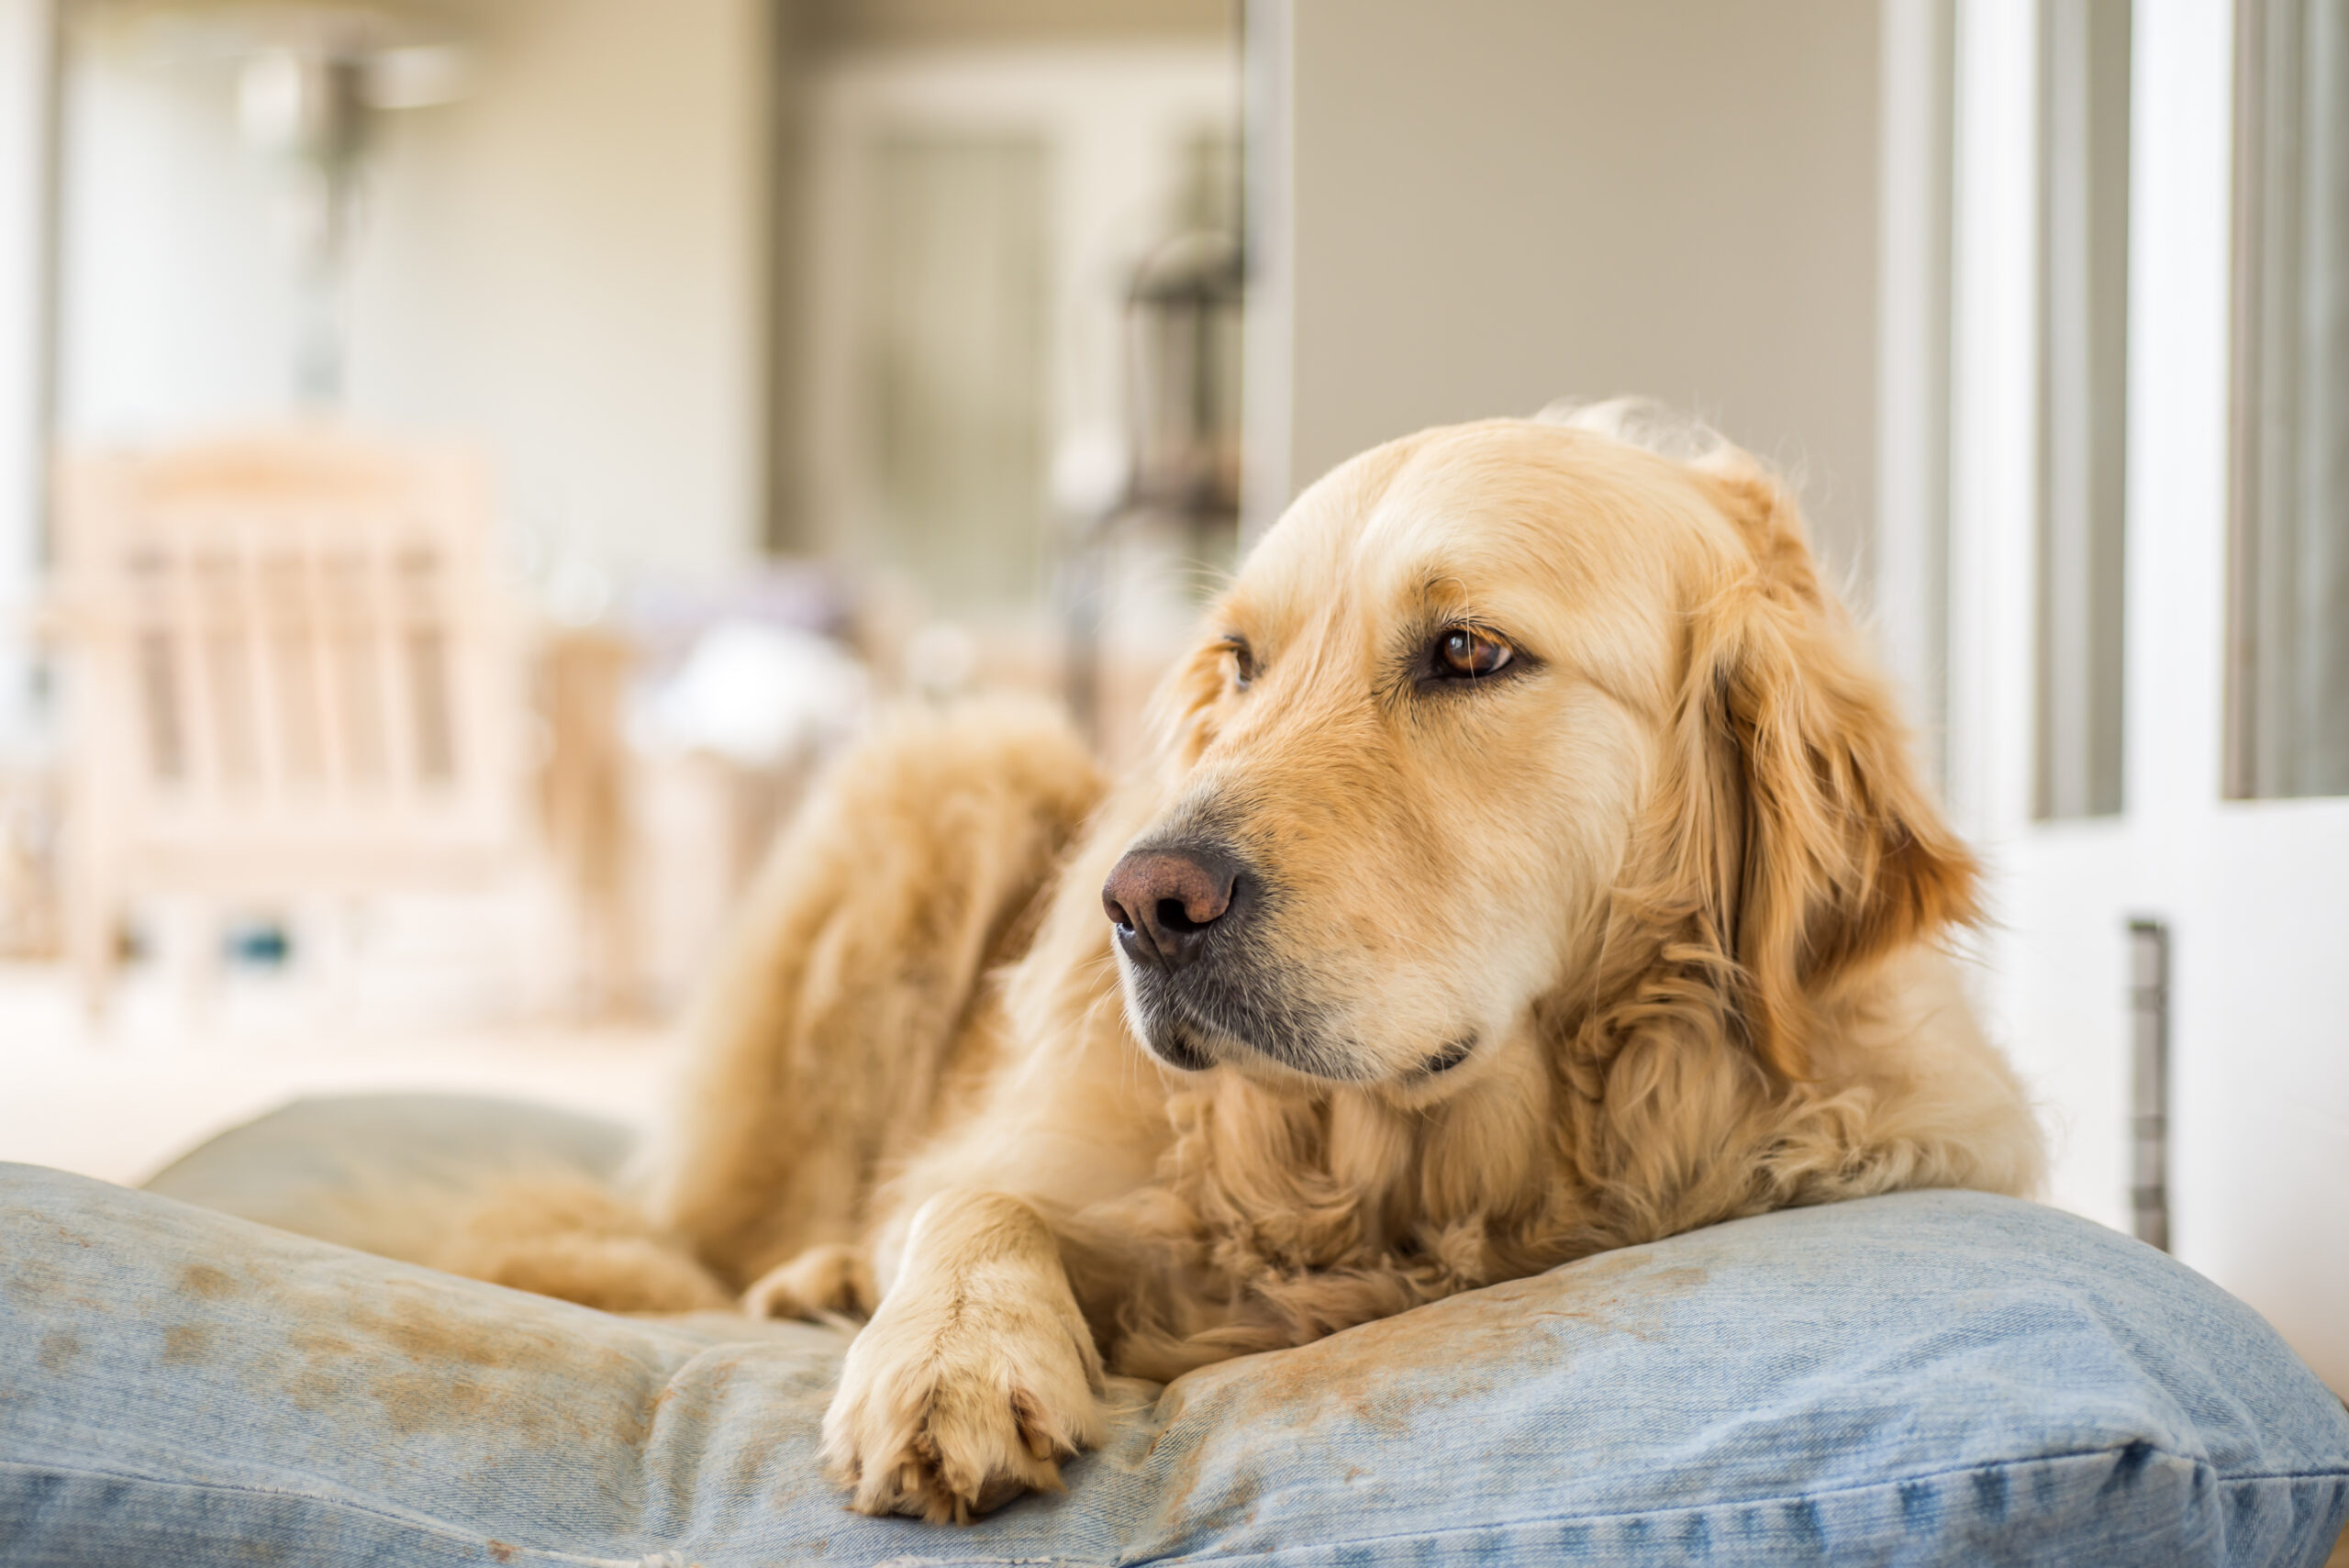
x,y
1642,937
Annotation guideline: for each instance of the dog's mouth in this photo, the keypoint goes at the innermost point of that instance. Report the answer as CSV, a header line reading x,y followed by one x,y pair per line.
x,y
1453,1053
1195,1035
1194,1026
1178,1046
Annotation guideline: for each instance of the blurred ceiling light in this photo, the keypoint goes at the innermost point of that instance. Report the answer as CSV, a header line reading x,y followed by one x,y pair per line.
x,y
215,29
318,105
311,108
314,78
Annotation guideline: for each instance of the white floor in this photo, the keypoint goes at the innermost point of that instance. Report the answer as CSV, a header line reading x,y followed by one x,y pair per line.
x,y
164,1070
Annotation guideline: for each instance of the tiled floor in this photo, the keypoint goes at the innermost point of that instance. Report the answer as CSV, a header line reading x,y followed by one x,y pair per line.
x,y
161,1073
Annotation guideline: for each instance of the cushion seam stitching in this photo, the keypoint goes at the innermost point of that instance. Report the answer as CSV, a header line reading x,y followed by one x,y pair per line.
x,y
2078,1454
424,1525
441,1528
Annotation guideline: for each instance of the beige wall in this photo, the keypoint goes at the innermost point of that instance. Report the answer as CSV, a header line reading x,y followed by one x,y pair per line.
x,y
566,266
1501,202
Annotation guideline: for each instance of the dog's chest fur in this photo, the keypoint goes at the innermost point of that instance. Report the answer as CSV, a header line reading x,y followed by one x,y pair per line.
x,y
1292,1216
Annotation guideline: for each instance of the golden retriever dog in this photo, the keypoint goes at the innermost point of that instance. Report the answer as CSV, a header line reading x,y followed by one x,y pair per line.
x,y
1529,862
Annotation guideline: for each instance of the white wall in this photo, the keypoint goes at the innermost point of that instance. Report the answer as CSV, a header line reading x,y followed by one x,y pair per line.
x,y
1496,204
566,266
24,65
2258,1092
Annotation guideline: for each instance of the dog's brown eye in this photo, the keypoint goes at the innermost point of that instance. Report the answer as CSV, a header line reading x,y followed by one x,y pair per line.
x,y
1464,653
1243,660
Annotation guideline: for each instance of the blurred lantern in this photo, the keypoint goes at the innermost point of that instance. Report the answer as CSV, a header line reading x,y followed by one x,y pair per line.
x,y
1181,456
1183,317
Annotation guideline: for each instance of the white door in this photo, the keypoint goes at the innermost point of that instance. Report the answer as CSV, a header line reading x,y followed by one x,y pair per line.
x,y
2154,397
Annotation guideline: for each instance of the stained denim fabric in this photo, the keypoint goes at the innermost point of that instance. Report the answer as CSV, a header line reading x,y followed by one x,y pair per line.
x,y
1928,1378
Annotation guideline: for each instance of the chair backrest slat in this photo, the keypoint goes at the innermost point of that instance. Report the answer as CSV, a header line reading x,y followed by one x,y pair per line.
x,y
304,629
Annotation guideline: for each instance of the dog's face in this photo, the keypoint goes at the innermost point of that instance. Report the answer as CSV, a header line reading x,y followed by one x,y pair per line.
x,y
1470,683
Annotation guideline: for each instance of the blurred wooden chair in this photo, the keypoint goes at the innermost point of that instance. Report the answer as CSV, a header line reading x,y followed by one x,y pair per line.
x,y
29,901
291,683
586,806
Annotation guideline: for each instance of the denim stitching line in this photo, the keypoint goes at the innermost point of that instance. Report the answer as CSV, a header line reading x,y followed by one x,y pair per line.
x,y
1888,1485
423,1526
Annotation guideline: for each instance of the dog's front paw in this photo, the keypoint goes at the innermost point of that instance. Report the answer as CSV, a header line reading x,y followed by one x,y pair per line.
x,y
949,1409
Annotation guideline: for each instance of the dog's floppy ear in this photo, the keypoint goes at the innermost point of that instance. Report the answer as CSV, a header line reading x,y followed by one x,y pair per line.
x,y
1179,719
1812,846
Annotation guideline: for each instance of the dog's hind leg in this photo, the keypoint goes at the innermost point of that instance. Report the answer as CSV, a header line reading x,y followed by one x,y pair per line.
x,y
568,1235
841,1011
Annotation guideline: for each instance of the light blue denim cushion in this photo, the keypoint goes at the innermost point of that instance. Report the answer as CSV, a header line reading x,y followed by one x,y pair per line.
x,y
297,1167
1931,1378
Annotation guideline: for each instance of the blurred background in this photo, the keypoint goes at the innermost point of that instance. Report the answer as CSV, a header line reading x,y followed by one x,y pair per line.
x,y
463,464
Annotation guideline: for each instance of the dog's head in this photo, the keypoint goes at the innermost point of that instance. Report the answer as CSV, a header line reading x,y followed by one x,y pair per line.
x,y
1490,706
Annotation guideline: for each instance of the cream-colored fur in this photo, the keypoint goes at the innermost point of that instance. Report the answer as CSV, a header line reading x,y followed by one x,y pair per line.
x,y
1637,934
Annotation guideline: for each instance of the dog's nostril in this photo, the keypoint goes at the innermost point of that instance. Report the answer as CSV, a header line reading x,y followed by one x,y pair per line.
x,y
1173,915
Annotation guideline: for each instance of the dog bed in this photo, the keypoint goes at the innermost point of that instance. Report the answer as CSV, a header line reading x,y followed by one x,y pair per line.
x,y
1937,1377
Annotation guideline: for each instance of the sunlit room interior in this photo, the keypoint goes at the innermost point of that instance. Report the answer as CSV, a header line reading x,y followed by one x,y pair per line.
x,y
849,352
649,396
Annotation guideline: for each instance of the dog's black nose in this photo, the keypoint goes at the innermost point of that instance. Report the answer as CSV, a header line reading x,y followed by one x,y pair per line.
x,y
1163,902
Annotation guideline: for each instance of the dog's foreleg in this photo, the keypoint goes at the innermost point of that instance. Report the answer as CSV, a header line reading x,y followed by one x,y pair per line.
x,y
842,1002
976,1376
